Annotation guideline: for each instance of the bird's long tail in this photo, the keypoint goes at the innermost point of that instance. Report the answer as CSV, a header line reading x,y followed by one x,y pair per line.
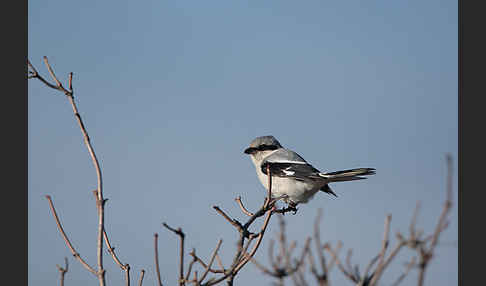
x,y
348,175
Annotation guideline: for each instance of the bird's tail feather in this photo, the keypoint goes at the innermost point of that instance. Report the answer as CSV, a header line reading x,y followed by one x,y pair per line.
x,y
328,190
348,175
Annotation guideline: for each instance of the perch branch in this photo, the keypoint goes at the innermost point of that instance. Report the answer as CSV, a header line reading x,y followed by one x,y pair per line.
x,y
241,257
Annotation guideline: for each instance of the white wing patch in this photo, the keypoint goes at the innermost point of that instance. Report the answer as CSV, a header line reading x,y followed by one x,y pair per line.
x,y
287,172
286,161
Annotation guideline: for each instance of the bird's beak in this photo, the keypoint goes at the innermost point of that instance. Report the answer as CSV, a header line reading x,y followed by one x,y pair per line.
x,y
249,150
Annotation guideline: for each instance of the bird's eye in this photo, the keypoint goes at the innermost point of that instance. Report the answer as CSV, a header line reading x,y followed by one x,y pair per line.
x,y
250,150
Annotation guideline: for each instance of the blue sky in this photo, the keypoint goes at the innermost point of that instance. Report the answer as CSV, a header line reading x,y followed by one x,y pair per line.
x,y
172,92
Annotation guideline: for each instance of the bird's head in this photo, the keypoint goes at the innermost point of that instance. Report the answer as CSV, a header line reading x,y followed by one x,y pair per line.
x,y
261,146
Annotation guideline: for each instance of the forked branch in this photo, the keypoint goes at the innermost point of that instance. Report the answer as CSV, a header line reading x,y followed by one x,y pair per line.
x,y
63,271
181,252
100,202
282,265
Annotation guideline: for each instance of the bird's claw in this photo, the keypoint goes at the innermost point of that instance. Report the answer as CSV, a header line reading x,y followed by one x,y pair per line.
x,y
292,207
289,208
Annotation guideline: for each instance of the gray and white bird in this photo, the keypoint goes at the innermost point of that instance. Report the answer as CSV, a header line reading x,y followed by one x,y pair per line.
x,y
292,177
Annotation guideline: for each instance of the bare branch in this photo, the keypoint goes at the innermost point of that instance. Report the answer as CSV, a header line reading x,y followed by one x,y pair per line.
x,y
317,241
242,257
206,271
100,202
58,83
127,274
220,263
269,196
35,74
313,266
370,265
293,269
238,200
245,248
124,267
413,222
283,271
156,250
70,82
257,243
233,222
181,260
426,254
63,271
270,253
299,279
66,239
142,273
263,268
204,265
333,260
381,264
447,206
339,264
409,266
194,259
348,263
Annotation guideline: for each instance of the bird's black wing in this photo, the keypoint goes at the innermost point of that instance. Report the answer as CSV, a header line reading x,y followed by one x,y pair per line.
x,y
286,163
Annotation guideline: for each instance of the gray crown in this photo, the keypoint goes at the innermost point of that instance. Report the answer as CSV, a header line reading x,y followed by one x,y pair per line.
x,y
265,140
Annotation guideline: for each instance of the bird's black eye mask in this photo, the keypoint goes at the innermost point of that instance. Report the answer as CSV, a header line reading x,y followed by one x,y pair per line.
x,y
262,147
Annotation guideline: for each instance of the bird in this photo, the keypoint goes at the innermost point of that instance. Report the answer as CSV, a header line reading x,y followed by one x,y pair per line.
x,y
293,179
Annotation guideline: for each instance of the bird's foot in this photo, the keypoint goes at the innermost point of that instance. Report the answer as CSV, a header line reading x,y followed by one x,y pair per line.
x,y
275,200
291,207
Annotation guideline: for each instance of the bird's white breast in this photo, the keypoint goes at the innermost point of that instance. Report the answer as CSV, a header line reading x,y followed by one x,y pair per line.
x,y
298,191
